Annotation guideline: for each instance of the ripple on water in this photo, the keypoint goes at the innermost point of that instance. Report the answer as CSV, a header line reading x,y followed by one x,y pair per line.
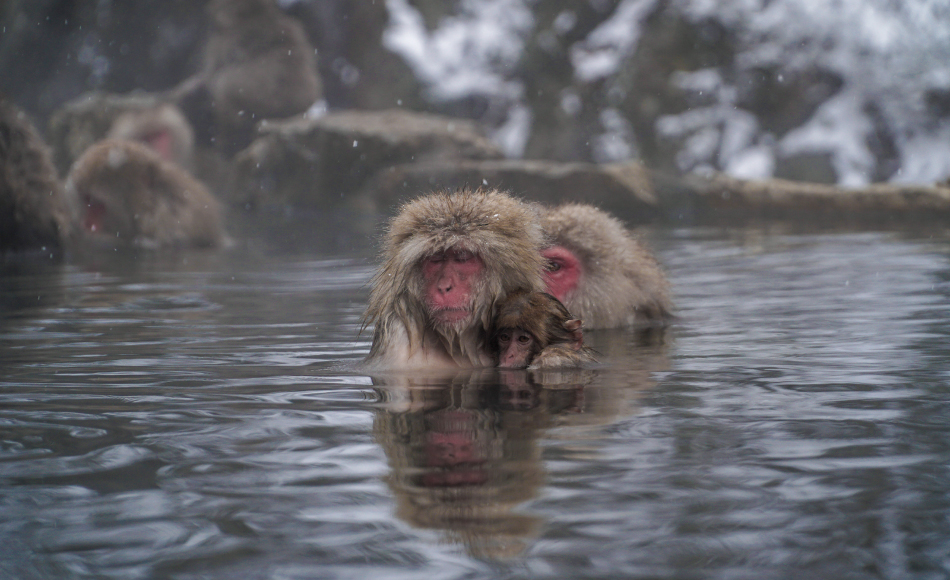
x,y
210,420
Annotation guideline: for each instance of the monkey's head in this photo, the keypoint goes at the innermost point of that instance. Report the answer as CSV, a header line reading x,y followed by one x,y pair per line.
x,y
516,348
112,183
528,322
599,269
163,128
450,256
574,232
563,271
579,236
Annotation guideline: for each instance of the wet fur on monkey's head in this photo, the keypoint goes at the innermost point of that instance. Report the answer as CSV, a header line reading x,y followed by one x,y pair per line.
x,y
537,313
502,231
622,282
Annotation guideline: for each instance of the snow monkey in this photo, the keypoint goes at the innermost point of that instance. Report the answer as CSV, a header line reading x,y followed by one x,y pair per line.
x,y
447,258
128,193
163,128
601,273
34,211
534,330
257,64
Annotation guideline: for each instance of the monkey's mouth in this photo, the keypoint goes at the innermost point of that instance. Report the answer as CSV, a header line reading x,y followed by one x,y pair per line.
x,y
94,215
508,365
451,315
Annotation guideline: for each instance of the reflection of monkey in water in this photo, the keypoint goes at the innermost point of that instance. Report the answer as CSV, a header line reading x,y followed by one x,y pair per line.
x,y
463,449
447,258
601,273
534,330
462,461
163,128
258,64
128,193
34,212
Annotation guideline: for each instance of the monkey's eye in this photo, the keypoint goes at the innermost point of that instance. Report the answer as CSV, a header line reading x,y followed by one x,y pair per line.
x,y
504,336
463,256
524,339
437,258
554,266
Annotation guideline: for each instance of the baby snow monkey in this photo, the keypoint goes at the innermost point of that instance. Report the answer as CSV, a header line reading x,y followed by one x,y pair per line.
x,y
534,330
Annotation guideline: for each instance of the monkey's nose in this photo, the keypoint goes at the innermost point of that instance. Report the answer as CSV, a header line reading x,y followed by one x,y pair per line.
x,y
445,286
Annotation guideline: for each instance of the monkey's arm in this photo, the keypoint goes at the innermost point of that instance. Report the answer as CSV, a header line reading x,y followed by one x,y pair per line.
x,y
561,356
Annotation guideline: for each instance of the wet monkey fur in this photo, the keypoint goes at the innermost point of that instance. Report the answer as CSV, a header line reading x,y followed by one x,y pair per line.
x,y
447,258
534,330
34,211
162,127
127,193
602,273
257,64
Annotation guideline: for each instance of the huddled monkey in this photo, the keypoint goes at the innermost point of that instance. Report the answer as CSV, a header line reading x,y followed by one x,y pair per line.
x,y
447,259
128,193
258,64
534,330
600,271
163,128
34,211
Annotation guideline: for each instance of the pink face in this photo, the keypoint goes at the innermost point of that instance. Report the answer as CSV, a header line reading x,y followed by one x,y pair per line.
x,y
94,215
515,347
453,448
161,143
450,279
563,272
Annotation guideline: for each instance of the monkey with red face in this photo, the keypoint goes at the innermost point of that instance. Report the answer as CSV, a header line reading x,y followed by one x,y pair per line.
x,y
601,272
128,194
534,330
447,258
163,128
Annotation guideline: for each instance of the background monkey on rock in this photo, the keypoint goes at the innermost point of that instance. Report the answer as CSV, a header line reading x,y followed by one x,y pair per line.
x,y
258,64
34,211
447,258
534,330
127,193
163,128
601,273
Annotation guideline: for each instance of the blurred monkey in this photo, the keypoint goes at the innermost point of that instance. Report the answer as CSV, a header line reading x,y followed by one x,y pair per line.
x,y
34,211
600,271
127,192
534,330
447,258
258,64
163,128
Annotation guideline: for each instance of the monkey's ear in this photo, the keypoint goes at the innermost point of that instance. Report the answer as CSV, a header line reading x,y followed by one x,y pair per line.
x,y
574,326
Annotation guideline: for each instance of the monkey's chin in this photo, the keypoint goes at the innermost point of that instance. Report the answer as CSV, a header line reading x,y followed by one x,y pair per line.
x,y
451,316
517,366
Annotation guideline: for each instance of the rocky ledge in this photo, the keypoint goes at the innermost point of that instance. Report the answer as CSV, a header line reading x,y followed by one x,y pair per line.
x,y
374,160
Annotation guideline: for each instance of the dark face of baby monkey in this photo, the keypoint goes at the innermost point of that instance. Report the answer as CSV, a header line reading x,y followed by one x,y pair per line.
x,y
526,323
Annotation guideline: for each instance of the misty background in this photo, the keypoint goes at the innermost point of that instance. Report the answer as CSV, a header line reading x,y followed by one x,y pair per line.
x,y
848,92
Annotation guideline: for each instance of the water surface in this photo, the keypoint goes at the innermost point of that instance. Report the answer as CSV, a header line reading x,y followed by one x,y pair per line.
x,y
203,416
